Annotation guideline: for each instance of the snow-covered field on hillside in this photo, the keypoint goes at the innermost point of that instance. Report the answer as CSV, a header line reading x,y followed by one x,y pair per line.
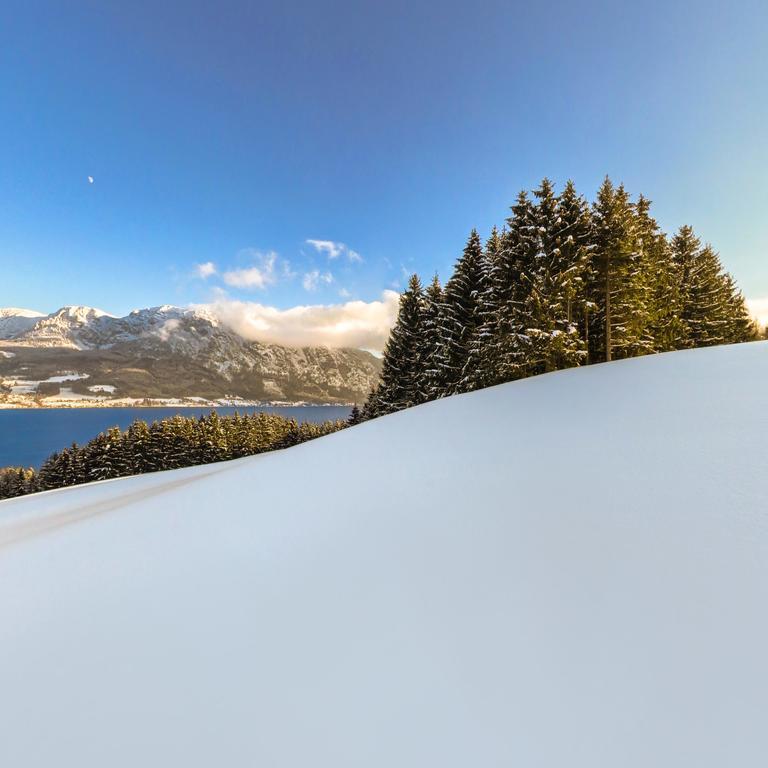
x,y
570,570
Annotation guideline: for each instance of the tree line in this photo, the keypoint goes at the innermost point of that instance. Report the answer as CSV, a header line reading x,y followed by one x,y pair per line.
x,y
563,283
170,443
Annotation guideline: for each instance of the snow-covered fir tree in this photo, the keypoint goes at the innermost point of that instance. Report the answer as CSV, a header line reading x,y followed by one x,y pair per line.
x,y
517,256
480,366
399,387
459,315
565,284
551,283
430,382
618,289
662,279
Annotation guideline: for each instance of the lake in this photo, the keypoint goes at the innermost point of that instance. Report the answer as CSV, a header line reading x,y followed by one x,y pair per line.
x,y
29,435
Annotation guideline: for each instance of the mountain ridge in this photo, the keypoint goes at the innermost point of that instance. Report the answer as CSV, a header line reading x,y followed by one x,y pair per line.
x,y
167,352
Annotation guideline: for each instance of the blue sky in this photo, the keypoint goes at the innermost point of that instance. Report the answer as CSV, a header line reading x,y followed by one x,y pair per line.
x,y
234,133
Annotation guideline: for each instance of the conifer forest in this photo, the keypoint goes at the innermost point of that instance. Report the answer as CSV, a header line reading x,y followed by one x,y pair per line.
x,y
165,444
563,283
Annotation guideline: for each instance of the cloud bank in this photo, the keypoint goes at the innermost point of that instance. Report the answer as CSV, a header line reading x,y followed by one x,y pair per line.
x,y
356,324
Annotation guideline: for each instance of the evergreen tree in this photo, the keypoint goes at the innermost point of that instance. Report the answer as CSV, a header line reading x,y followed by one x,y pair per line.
x,y
370,409
459,316
618,289
665,330
399,387
430,383
552,281
740,326
518,253
480,366
711,308
574,239
355,417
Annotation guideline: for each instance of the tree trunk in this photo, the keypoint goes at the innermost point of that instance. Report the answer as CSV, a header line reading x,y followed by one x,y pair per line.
x,y
586,333
608,340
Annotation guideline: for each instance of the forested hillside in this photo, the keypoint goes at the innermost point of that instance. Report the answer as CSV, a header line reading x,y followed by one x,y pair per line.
x,y
173,443
563,283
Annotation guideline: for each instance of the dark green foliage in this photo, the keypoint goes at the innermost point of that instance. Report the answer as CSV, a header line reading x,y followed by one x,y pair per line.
x,y
400,371
711,305
480,367
518,253
167,444
15,481
665,326
459,316
355,417
550,287
619,287
430,382
564,284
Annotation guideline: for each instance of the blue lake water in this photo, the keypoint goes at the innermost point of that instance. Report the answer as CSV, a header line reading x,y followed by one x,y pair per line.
x,y
29,435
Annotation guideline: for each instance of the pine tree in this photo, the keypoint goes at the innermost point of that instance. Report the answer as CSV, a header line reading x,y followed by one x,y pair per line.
x,y
574,238
370,409
519,246
430,384
399,387
618,290
459,315
552,280
138,437
355,417
665,330
704,291
98,457
479,369
740,326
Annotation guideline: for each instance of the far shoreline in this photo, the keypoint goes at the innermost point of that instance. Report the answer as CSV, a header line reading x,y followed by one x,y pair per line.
x,y
157,404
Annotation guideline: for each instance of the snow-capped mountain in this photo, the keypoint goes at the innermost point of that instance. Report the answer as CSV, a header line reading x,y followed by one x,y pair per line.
x,y
171,351
15,321
64,327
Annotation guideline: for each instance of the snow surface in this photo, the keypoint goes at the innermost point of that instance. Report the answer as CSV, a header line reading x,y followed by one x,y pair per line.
x,y
566,571
29,386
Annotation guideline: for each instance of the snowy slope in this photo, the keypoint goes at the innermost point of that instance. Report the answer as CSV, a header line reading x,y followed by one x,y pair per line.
x,y
565,571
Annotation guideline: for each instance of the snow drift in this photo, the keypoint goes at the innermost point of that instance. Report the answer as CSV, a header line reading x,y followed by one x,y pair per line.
x,y
568,570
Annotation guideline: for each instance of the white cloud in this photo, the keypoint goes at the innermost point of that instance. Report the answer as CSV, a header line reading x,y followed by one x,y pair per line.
x,y
205,270
357,324
758,308
313,279
344,293
333,250
258,277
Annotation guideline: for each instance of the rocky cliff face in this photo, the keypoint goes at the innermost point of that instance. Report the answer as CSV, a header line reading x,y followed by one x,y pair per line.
x,y
171,352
